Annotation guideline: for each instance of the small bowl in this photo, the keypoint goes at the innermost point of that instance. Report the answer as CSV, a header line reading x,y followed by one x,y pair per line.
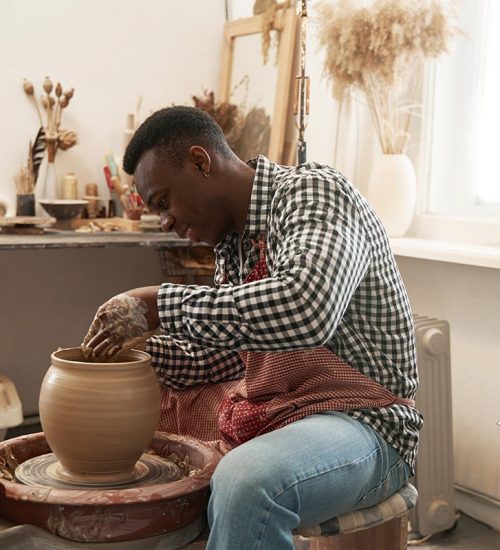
x,y
63,210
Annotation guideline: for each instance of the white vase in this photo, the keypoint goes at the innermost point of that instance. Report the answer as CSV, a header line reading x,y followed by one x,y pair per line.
x,y
392,192
46,189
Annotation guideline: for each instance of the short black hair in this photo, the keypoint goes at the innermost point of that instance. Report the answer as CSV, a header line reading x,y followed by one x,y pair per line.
x,y
174,130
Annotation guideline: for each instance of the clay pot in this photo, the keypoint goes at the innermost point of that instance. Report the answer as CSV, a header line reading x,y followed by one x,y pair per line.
x,y
99,418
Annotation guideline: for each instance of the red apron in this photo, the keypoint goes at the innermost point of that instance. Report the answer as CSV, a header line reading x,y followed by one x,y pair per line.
x,y
278,388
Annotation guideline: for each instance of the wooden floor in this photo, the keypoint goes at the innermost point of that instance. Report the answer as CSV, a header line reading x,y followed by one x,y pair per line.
x,y
468,534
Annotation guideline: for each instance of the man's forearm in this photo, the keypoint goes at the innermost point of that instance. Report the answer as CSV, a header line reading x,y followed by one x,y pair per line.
x,y
149,295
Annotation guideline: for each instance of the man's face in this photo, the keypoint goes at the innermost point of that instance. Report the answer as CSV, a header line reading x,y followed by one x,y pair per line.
x,y
185,199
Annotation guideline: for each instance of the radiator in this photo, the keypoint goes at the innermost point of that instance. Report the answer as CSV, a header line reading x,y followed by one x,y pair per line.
x,y
435,510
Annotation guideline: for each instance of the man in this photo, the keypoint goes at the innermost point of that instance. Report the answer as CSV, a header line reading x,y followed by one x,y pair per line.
x,y
301,359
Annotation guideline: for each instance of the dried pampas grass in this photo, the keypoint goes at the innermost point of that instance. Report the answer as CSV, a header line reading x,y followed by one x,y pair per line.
x,y
377,48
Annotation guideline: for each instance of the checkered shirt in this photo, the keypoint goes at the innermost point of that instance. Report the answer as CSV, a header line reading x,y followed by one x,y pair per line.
x,y
333,282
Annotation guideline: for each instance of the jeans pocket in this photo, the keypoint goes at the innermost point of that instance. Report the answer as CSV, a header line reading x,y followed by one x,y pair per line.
x,y
396,477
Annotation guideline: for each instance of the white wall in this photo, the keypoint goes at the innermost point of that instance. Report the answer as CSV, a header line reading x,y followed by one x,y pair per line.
x,y
110,51
468,298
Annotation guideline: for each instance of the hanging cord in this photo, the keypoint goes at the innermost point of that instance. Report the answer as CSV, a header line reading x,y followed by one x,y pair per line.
x,y
301,107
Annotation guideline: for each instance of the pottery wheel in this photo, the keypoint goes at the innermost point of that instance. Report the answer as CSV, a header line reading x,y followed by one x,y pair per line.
x,y
46,471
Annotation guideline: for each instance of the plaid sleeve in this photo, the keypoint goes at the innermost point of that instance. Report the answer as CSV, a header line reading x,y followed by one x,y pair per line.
x,y
319,254
180,364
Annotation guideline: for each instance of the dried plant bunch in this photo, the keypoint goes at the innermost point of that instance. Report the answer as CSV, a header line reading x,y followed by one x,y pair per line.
x,y
24,179
227,115
260,6
255,134
376,48
247,131
51,137
269,12
67,139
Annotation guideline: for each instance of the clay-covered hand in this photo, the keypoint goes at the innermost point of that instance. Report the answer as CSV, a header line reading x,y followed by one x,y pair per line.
x,y
120,323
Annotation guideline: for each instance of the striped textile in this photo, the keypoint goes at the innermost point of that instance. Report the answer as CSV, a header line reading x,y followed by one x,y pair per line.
x,y
397,505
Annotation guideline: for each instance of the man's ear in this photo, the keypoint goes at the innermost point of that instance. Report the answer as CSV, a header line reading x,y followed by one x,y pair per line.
x,y
201,159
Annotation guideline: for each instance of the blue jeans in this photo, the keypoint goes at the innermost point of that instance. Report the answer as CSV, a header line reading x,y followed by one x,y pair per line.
x,y
307,472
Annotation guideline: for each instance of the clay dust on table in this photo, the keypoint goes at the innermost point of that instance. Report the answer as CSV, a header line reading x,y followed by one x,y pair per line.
x,y
8,465
184,465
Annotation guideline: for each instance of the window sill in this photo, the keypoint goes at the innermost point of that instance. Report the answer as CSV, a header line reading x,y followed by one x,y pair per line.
x,y
445,251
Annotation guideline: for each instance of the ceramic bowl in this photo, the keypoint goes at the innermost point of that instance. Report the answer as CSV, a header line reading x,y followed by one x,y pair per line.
x,y
63,209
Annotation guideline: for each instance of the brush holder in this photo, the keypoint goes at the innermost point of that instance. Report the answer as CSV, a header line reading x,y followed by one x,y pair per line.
x,y
25,204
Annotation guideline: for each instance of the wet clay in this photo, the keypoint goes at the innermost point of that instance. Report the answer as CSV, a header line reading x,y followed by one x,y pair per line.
x,y
44,471
119,324
99,418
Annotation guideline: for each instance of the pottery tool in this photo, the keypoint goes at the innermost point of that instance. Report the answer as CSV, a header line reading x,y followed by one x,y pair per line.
x,y
107,175
115,183
91,191
110,162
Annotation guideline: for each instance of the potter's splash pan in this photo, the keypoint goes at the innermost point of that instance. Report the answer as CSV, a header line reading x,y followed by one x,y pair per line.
x,y
90,515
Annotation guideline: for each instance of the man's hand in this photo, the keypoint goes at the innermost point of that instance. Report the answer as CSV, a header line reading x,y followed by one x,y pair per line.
x,y
122,322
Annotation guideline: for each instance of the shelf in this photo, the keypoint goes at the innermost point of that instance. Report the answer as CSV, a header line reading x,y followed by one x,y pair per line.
x,y
444,251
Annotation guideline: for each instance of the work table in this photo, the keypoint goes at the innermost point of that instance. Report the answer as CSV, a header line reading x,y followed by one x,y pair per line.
x,y
71,239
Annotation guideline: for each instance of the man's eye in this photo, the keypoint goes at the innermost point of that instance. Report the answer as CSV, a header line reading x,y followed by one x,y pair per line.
x,y
162,203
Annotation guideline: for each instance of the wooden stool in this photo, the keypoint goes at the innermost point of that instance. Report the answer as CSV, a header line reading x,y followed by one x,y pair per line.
x,y
381,527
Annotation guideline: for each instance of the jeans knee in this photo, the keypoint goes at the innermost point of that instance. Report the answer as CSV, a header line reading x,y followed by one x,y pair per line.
x,y
242,509
238,483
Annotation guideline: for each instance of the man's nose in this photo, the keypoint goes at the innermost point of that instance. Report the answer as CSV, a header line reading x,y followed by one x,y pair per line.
x,y
167,222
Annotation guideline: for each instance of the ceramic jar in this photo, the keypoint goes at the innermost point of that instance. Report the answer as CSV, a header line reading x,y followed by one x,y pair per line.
x,y
70,186
98,418
46,189
392,192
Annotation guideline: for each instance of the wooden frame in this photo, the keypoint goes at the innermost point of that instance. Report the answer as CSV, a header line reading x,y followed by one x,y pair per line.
x,y
285,22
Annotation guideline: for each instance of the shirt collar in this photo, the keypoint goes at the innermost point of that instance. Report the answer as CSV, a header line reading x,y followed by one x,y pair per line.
x,y
261,196
260,200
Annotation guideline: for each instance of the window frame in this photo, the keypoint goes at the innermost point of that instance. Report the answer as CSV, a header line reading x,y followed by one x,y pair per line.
x,y
472,223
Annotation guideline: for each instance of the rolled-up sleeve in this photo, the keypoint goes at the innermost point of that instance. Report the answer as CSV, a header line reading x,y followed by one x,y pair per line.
x,y
180,364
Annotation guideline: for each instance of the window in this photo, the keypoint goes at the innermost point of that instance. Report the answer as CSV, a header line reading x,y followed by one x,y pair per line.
x,y
463,156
